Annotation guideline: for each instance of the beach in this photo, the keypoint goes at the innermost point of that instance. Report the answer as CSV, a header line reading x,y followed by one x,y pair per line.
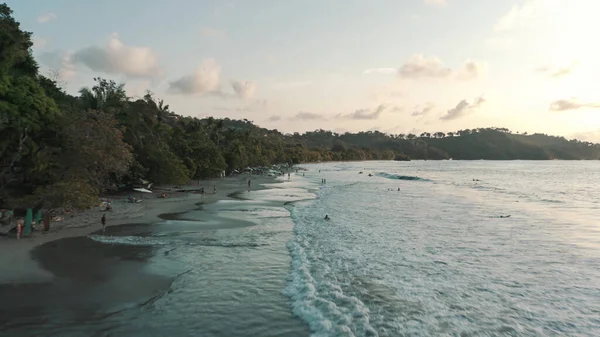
x,y
18,265
213,265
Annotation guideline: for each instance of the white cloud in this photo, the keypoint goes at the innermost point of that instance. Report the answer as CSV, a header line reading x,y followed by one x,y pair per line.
x,y
304,115
46,17
436,2
61,62
590,136
204,80
528,16
571,104
523,15
472,70
209,32
244,89
118,58
463,108
365,114
420,66
422,111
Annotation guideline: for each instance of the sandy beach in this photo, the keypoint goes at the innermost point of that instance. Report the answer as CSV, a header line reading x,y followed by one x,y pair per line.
x,y
17,265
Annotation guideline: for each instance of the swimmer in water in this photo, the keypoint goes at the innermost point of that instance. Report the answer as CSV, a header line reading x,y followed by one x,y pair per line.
x,y
327,217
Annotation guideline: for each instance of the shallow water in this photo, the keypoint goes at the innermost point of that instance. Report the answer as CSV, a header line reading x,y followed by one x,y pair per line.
x,y
432,259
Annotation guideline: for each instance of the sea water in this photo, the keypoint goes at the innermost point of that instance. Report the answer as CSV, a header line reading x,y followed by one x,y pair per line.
x,y
450,248
422,248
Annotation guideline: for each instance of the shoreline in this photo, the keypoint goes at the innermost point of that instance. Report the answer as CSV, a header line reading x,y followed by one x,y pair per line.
x,y
18,264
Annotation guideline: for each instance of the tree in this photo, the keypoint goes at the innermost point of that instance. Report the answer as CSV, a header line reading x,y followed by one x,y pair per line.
x,y
94,149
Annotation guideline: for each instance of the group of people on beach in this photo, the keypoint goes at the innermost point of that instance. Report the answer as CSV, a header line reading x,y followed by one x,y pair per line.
x,y
21,226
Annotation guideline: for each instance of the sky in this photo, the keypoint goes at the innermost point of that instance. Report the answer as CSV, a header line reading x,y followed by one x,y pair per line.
x,y
397,66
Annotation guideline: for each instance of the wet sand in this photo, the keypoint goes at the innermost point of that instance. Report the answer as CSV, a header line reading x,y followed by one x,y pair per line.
x,y
18,266
68,274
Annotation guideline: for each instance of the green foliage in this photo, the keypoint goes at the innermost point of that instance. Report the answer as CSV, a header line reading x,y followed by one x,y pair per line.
x,y
73,192
94,149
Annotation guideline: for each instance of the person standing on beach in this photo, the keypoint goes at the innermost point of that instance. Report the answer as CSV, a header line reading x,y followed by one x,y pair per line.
x,y
249,182
103,221
19,228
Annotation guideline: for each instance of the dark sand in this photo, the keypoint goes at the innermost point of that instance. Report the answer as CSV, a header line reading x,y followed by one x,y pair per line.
x,y
68,274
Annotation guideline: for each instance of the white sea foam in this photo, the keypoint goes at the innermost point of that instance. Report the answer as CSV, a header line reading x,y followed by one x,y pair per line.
x,y
128,240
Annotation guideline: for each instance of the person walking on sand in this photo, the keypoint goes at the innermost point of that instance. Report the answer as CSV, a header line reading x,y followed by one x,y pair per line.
x,y
19,228
103,221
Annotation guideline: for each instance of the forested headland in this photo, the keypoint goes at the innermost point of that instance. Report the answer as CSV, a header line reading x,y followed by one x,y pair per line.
x,y
62,149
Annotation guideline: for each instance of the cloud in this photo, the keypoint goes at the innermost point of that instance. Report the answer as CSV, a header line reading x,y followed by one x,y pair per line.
x,y
470,70
590,136
556,72
306,116
46,17
380,71
118,58
397,109
420,66
274,118
244,89
512,29
521,15
212,33
365,114
463,108
436,2
62,62
424,110
203,81
571,104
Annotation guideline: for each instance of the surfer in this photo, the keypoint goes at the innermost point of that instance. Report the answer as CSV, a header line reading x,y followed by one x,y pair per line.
x,y
327,217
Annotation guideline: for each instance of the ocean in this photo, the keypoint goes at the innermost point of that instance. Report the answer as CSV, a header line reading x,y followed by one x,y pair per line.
x,y
420,248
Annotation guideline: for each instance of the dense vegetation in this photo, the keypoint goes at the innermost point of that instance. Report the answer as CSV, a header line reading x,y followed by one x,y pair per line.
x,y
58,149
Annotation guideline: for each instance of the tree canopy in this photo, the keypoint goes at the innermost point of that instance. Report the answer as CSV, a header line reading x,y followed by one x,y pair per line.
x,y
60,149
